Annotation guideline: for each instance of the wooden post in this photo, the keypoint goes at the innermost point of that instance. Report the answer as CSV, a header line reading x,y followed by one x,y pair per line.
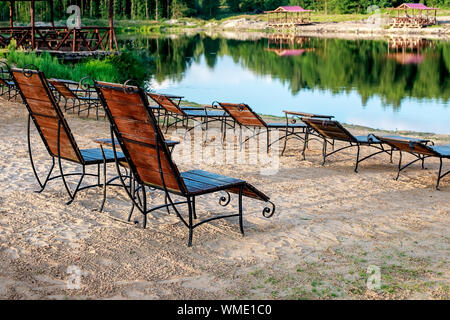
x,y
52,18
11,13
32,14
111,24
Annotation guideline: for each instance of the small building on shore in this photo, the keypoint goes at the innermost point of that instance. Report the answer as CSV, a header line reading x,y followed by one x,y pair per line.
x,y
412,15
288,17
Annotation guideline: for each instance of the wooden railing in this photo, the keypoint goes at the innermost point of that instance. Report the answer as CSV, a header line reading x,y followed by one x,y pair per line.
x,y
411,22
60,38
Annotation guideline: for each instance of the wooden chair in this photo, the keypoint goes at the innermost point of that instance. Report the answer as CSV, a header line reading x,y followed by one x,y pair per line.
x,y
142,142
6,83
56,135
331,131
78,93
244,116
172,108
418,148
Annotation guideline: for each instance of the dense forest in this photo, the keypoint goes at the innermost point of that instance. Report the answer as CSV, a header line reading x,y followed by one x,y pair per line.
x,y
162,9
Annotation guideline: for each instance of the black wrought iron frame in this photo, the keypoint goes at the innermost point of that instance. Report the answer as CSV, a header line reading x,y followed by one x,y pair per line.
x,y
82,100
257,130
184,117
420,157
140,201
8,84
309,131
358,144
71,193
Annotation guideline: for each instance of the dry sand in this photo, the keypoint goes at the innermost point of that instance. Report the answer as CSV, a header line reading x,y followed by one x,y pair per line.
x,y
330,225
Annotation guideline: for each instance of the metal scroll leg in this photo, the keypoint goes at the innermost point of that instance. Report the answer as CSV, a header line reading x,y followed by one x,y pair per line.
x,y
104,179
439,174
48,176
190,226
144,204
194,211
324,151
132,191
305,144
357,158
241,218
285,140
399,166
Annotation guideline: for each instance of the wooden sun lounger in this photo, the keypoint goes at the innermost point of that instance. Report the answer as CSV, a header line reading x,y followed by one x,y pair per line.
x,y
171,106
293,116
78,96
143,144
6,82
244,116
331,131
420,149
56,135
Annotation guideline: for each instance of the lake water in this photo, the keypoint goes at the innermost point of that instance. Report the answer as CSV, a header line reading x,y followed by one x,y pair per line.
x,y
397,84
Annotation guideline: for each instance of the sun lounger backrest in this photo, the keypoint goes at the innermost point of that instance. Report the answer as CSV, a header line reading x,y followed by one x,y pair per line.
x,y
46,114
139,136
330,129
243,114
62,89
166,103
408,146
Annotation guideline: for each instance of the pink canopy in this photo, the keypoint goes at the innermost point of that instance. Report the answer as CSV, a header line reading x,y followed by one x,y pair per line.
x,y
292,9
418,6
407,58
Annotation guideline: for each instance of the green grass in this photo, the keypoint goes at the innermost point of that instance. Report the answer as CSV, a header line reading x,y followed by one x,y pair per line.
x,y
114,68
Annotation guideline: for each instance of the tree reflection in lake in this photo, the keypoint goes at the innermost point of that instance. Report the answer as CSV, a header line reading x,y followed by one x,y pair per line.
x,y
396,73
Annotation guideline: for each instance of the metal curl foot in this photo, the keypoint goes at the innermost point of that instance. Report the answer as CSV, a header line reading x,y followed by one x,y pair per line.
x,y
225,200
269,212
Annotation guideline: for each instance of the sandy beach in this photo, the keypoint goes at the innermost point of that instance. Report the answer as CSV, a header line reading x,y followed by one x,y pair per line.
x,y
330,226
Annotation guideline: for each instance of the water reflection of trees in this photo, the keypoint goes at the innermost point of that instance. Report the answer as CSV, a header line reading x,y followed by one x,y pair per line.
x,y
334,64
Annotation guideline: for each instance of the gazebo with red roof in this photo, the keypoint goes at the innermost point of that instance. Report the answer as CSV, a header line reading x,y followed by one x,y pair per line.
x,y
420,16
288,16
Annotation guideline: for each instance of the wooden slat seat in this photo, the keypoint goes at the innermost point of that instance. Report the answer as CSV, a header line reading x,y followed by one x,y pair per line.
x,y
137,131
202,113
367,140
108,142
200,182
284,125
443,151
95,156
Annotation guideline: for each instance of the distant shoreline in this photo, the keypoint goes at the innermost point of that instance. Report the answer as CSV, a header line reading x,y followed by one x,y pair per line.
x,y
244,26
